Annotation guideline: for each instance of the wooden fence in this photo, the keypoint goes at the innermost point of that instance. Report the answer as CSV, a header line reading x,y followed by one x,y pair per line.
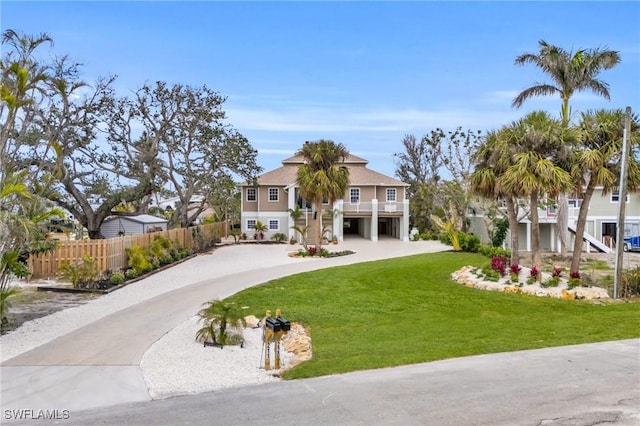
x,y
111,253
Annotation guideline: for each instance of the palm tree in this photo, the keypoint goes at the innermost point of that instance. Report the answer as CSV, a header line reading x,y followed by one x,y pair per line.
x,y
492,159
321,176
218,315
596,163
571,73
539,139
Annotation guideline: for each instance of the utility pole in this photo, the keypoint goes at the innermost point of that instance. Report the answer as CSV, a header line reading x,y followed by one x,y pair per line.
x,y
624,165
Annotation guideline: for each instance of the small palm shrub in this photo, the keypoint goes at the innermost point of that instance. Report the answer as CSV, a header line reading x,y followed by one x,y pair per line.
x,y
279,237
216,319
160,249
81,273
138,259
6,293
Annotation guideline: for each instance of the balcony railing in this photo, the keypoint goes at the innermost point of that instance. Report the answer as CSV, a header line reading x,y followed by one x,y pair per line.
x,y
363,206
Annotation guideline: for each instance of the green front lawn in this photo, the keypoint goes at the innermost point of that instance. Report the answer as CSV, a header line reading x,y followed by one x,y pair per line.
x,y
407,310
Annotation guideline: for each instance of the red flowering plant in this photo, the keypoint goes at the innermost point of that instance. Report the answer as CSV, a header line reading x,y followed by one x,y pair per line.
x,y
514,270
533,275
574,279
499,264
557,271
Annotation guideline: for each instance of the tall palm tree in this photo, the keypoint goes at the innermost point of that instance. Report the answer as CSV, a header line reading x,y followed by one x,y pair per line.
x,y
539,139
570,72
596,163
322,176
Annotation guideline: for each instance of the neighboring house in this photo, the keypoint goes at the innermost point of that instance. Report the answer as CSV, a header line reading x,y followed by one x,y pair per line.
x,y
115,226
373,205
173,203
601,227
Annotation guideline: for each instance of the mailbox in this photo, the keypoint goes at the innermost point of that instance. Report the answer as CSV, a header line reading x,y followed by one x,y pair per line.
x,y
285,325
273,324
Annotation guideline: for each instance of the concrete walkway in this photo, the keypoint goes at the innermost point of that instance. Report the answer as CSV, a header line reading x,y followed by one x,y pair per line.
x,y
97,365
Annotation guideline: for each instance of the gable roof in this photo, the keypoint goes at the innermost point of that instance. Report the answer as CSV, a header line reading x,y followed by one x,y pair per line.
x,y
350,159
358,175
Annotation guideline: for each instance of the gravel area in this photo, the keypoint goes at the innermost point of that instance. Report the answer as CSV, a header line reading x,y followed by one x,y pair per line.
x,y
168,366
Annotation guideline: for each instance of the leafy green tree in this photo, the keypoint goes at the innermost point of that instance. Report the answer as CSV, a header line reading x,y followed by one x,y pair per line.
x,y
322,176
596,163
570,72
200,152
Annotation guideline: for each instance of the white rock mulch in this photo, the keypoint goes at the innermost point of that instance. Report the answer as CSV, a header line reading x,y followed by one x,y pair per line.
x,y
178,365
468,276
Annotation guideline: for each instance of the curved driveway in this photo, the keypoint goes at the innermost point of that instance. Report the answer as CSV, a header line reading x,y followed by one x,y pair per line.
x,y
97,365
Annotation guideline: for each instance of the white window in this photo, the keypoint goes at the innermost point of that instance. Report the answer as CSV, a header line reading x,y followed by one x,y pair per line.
x,y
325,201
252,194
251,224
273,194
391,195
274,224
574,203
615,197
354,195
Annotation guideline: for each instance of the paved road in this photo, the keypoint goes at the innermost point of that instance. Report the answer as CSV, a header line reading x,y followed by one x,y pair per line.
x,y
582,385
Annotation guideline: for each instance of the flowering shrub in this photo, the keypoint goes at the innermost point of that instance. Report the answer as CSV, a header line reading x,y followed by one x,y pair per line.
x,y
557,271
534,272
514,270
574,279
313,250
499,264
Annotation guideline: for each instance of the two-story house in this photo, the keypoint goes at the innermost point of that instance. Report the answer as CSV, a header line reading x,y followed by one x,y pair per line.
x,y
601,226
373,205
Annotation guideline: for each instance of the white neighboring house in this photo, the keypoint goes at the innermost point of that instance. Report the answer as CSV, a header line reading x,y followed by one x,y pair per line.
x,y
601,227
172,203
115,226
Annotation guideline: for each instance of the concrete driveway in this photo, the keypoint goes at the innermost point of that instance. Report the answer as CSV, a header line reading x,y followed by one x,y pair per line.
x,y
96,365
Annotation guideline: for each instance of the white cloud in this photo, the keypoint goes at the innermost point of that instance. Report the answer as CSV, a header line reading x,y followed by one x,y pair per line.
x,y
365,119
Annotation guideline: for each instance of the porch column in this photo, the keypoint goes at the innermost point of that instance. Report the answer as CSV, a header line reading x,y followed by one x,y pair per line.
x,y
291,204
374,220
338,220
404,221
528,236
553,240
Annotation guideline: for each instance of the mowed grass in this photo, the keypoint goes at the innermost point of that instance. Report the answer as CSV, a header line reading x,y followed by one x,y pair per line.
x,y
407,310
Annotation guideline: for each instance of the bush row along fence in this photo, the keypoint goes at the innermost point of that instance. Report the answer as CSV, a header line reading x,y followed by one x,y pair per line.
x,y
110,254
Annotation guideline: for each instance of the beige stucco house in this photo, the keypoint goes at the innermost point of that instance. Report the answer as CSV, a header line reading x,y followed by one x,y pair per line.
x,y
373,205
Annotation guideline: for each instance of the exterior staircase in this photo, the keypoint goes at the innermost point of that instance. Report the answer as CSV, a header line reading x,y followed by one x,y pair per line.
x,y
592,241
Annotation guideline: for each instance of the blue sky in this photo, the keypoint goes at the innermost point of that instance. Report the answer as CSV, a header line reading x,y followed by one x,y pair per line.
x,y
360,73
